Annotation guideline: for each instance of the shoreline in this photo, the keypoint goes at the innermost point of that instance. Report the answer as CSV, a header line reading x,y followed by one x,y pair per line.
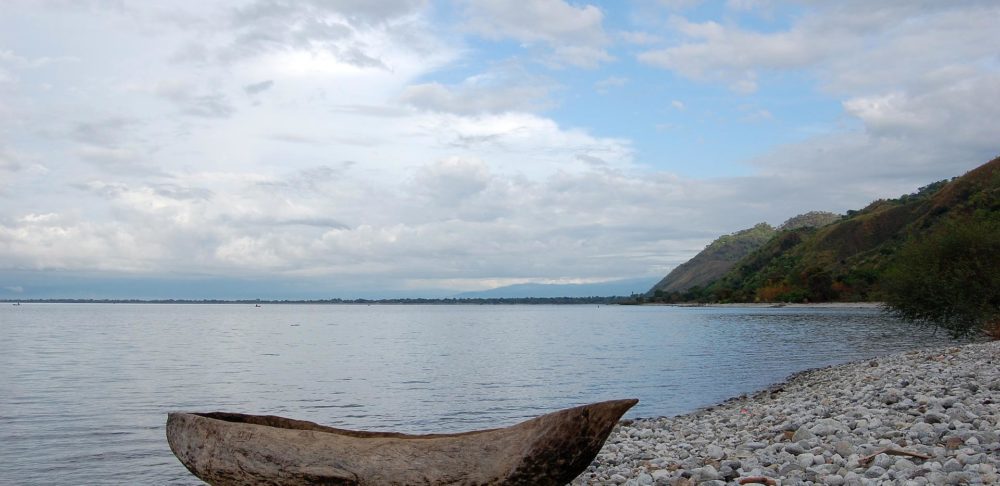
x,y
796,305
935,411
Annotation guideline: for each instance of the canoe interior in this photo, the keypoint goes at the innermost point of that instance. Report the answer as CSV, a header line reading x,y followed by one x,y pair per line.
x,y
287,423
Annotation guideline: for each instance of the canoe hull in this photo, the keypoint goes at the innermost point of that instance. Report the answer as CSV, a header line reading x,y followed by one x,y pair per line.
x,y
236,449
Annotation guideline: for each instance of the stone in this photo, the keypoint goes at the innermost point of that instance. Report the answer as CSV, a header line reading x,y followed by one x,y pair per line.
x,y
953,442
874,472
802,433
883,461
833,480
794,449
805,459
844,448
959,477
922,430
891,396
790,468
853,479
951,465
715,452
934,418
827,426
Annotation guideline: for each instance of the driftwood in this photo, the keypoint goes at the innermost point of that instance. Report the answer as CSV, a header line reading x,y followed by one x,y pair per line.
x,y
236,449
892,452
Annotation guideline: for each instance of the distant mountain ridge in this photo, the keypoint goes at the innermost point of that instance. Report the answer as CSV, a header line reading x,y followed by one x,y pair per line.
x,y
845,259
611,288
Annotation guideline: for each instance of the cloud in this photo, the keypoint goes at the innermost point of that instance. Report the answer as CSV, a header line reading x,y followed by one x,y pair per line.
x,y
349,30
848,45
105,132
257,88
452,181
453,218
733,54
748,5
521,142
12,59
603,85
639,37
575,35
497,91
193,100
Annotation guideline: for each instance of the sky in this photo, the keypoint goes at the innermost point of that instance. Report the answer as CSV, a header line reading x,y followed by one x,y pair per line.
x,y
353,148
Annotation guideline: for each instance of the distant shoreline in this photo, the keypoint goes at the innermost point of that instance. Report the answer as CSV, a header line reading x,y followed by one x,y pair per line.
x,y
417,301
822,305
613,300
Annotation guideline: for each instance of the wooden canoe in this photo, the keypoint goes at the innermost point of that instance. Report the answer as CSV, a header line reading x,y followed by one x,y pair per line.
x,y
235,449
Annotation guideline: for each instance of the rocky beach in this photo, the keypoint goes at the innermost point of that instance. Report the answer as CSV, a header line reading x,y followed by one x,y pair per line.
x,y
921,417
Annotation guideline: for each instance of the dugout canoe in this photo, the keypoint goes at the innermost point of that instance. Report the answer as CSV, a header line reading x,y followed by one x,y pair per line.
x,y
235,449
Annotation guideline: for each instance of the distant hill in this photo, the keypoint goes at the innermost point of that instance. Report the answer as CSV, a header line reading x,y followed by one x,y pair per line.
x,y
715,260
844,260
722,254
622,287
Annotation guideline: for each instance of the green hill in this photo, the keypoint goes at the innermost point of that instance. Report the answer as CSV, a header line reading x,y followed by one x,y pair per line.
x,y
715,260
844,260
722,254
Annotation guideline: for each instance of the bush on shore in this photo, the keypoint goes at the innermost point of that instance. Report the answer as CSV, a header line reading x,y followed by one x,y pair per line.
x,y
950,279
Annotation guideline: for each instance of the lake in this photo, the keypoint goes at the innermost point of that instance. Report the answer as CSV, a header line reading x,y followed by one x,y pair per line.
x,y
85,388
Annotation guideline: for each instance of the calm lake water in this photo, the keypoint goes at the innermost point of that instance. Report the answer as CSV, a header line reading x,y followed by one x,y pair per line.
x,y
84,389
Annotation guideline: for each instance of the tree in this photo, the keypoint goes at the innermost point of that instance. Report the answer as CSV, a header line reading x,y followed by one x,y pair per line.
x,y
950,279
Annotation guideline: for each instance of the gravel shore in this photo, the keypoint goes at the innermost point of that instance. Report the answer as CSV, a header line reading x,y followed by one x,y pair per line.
x,y
922,417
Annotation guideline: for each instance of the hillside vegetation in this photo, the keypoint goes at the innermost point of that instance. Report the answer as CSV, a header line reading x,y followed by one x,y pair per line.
x,y
846,260
724,253
715,260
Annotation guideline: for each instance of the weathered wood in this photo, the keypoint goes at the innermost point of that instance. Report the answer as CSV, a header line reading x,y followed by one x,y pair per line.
x,y
236,449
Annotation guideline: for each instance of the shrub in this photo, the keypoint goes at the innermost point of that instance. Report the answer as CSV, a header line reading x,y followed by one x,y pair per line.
x,y
950,279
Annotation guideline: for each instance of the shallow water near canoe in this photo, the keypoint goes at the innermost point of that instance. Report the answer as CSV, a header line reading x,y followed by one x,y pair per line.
x,y
85,388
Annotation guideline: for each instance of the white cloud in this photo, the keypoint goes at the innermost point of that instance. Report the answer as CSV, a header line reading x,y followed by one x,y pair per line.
x,y
717,52
605,84
455,218
748,4
640,37
848,45
960,113
574,34
497,91
259,87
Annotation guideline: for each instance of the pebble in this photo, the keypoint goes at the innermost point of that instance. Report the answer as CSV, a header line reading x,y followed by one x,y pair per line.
x,y
822,426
